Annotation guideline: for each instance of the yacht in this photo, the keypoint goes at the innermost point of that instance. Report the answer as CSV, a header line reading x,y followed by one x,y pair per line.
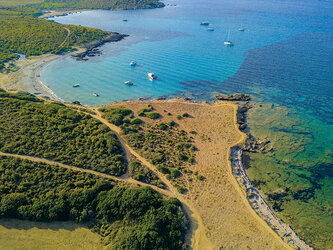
x,y
227,41
95,94
76,85
129,83
204,23
152,76
133,63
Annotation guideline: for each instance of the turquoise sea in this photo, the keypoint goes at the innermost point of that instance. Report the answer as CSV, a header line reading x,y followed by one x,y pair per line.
x,y
284,58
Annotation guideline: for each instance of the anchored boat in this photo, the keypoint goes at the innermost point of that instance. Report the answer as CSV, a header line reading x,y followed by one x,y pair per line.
x,y
129,83
133,63
152,76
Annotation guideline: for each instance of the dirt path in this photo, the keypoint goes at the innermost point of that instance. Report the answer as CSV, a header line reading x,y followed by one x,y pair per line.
x,y
68,34
54,163
199,238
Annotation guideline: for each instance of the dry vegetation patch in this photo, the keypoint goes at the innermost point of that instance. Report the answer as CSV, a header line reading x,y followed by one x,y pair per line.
x,y
208,180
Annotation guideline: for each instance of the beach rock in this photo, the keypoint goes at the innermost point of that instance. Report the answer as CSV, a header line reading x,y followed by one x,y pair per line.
x,y
233,97
91,50
161,98
241,114
77,103
257,145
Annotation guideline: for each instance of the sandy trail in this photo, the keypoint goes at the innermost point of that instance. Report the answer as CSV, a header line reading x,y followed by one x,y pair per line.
x,y
54,163
198,239
68,34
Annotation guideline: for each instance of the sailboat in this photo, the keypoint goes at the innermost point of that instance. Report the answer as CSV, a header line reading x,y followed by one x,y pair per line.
x,y
227,41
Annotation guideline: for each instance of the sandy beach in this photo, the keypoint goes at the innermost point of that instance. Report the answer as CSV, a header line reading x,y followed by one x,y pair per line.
x,y
27,79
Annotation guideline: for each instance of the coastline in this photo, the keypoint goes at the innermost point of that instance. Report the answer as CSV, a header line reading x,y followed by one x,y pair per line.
x,y
54,13
228,221
27,77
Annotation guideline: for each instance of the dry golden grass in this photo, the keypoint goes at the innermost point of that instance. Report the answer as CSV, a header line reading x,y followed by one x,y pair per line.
x,y
19,234
228,219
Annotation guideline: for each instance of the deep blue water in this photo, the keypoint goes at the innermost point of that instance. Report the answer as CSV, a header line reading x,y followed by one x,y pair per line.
x,y
284,58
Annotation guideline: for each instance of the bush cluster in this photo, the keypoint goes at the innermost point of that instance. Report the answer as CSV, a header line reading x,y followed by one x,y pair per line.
x,y
54,131
127,217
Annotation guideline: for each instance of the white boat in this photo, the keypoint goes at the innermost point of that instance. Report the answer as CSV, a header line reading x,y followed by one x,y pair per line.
x,y
129,83
227,41
95,94
76,85
210,29
152,76
133,63
204,23
241,28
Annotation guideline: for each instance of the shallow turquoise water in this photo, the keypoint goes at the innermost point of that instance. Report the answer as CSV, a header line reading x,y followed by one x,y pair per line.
x,y
284,58
169,42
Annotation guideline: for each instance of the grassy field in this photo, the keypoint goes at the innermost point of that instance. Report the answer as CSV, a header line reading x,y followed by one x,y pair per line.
x,y
21,234
14,3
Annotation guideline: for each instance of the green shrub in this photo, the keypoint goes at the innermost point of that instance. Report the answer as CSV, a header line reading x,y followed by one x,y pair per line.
x,y
201,177
175,173
162,126
153,115
171,123
163,169
185,115
136,121
182,156
180,189
178,117
116,115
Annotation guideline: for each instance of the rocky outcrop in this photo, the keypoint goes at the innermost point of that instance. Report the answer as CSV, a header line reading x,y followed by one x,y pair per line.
x,y
257,145
241,114
233,97
92,49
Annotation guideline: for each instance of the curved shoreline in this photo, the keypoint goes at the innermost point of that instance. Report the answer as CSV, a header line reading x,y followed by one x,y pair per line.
x,y
259,205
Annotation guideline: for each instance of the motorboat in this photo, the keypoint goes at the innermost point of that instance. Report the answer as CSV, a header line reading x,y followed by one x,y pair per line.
x,y
95,94
129,83
125,20
152,76
133,63
227,41
241,28
204,23
76,85
210,29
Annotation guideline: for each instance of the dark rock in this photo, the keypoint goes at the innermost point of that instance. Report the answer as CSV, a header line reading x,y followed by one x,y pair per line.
x,y
257,146
233,97
91,50
77,103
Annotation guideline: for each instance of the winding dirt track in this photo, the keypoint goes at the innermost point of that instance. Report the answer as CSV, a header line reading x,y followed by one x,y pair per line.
x,y
68,34
197,233
54,163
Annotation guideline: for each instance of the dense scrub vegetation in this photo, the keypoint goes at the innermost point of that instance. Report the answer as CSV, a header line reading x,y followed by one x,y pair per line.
x,y
56,132
167,147
23,33
99,4
141,173
127,217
